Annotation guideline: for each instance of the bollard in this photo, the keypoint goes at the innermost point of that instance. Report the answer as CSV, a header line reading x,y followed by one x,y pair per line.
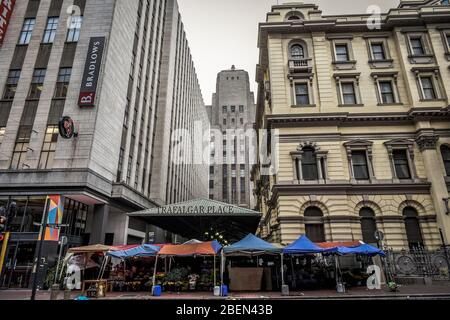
x,y
54,291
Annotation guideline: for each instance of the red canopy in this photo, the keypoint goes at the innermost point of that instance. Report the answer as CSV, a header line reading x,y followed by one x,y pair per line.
x,y
202,248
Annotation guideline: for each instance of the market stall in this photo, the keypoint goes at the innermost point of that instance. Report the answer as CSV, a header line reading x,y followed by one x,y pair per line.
x,y
248,278
191,249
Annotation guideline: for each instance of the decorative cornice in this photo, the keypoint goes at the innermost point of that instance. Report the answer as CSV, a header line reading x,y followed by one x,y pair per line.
x,y
426,140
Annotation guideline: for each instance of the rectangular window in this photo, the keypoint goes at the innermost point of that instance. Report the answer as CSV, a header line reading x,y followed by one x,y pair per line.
x,y
49,147
378,51
301,94
387,92
348,93
11,84
401,164
224,109
342,52
241,108
233,108
211,184
242,170
417,47
37,83
50,30
62,83
224,121
73,33
211,169
448,39
21,148
360,167
241,121
428,88
27,30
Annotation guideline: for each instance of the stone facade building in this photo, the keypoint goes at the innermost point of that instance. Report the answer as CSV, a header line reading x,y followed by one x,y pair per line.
x,y
232,117
360,122
120,159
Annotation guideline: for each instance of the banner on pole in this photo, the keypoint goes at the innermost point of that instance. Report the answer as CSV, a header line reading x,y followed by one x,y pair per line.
x,y
55,215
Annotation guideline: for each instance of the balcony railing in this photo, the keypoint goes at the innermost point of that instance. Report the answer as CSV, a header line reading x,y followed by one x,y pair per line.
x,y
300,65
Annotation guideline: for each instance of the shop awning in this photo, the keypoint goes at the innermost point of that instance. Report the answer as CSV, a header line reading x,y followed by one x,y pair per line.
x,y
193,249
91,249
251,245
303,246
145,250
192,219
363,249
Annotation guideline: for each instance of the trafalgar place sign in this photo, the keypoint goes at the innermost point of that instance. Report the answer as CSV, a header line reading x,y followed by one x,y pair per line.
x,y
6,9
91,72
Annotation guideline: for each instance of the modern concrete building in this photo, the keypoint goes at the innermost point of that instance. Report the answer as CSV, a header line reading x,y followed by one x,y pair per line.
x,y
232,117
122,71
363,124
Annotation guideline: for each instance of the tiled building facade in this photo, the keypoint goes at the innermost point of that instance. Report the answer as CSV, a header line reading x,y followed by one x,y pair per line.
x,y
363,125
119,162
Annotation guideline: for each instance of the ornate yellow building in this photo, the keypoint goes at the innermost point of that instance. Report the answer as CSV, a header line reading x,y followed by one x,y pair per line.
x,y
359,115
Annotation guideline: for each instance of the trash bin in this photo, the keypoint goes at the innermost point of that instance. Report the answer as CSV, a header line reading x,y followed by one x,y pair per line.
x,y
217,291
224,290
157,291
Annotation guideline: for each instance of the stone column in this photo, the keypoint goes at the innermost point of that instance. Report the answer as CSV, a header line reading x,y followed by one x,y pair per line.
x,y
426,140
99,222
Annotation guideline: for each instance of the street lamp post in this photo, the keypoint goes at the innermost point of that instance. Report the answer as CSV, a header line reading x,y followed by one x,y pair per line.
x,y
37,262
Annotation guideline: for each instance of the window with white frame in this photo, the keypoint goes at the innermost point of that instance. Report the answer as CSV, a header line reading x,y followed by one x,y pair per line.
x,y
73,34
341,52
310,162
347,86
401,157
50,30
429,84
446,42
418,44
359,155
378,51
302,94
27,30
386,87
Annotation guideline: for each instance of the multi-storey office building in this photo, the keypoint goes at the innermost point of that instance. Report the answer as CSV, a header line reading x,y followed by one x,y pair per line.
x,y
362,115
122,71
232,116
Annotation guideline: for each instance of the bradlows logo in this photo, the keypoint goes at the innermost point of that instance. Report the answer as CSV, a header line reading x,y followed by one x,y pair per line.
x,y
6,9
91,72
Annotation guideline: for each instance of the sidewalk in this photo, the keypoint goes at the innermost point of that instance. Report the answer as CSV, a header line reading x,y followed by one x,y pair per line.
x,y
406,292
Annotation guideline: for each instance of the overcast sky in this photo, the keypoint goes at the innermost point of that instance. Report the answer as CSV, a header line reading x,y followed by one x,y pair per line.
x,y
224,32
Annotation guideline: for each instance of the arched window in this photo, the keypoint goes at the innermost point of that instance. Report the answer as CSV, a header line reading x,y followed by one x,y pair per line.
x,y
297,52
309,164
314,227
368,225
412,226
445,151
294,15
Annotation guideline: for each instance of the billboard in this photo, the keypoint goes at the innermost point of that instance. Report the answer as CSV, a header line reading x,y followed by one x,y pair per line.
x,y
91,73
6,9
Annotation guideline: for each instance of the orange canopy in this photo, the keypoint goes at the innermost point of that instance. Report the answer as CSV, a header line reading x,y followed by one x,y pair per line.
x,y
202,248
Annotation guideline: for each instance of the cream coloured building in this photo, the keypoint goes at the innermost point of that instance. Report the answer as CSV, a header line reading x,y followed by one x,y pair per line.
x,y
360,125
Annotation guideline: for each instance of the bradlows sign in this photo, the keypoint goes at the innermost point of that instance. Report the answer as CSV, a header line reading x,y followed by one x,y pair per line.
x,y
6,9
91,72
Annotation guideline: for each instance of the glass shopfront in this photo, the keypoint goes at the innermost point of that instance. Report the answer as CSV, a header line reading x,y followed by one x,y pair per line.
x,y
24,215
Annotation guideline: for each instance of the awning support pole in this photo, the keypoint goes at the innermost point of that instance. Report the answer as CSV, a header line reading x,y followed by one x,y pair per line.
x,y
154,274
282,270
215,280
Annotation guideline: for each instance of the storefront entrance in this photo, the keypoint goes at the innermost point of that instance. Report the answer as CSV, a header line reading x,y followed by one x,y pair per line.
x,y
18,265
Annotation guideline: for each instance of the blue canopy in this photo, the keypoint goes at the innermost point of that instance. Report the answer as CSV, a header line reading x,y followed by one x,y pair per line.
x,y
145,250
303,246
363,249
251,245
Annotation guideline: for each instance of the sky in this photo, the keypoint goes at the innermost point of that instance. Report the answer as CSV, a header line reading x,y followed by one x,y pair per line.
x,y
225,32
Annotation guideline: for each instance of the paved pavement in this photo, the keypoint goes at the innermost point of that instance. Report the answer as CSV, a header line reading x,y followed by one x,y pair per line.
x,y
431,292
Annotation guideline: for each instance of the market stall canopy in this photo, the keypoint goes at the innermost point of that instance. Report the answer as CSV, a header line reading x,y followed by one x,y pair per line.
x,y
191,219
145,250
363,249
91,249
194,249
303,246
336,244
251,245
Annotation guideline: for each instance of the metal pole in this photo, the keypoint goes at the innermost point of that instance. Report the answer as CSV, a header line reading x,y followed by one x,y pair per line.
x,y
154,274
445,252
215,280
62,244
37,262
282,269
